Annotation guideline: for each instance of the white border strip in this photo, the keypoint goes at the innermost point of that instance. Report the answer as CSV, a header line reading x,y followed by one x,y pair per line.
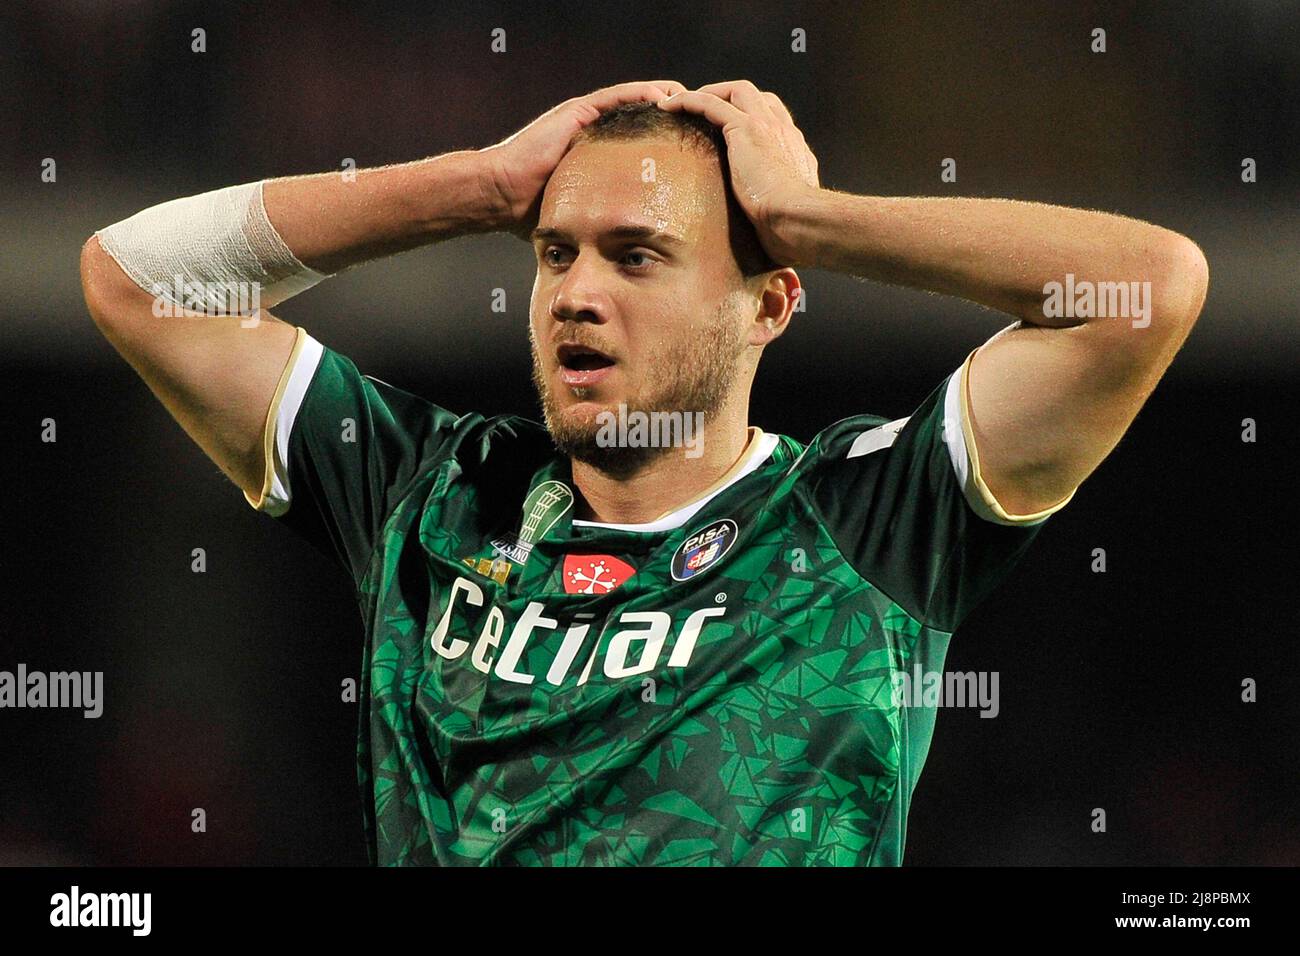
x,y
276,502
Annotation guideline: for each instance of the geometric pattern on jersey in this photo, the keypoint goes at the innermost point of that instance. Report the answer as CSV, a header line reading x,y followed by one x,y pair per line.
x,y
742,716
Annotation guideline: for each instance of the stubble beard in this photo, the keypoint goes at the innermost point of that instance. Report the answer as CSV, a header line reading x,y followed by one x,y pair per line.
x,y
691,376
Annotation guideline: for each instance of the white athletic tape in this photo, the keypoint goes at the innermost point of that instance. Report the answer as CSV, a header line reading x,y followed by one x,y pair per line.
x,y
208,251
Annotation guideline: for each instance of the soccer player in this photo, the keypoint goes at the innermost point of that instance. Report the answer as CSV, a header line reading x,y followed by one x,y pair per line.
x,y
599,641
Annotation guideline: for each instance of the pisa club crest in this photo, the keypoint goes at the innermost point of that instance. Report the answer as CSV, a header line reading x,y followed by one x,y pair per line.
x,y
703,548
594,573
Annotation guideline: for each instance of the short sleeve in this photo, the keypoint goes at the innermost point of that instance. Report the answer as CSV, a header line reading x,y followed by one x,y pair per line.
x,y
905,503
341,448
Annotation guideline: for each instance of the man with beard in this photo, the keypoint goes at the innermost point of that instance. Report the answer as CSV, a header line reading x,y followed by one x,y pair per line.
x,y
590,652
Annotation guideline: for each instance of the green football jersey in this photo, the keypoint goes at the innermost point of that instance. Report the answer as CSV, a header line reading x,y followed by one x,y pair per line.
x,y
716,688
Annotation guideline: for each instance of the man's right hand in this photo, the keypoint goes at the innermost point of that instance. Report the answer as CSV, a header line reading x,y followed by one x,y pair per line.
x,y
520,165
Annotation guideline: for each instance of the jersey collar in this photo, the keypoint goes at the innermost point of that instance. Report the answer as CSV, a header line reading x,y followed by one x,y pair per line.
x,y
758,449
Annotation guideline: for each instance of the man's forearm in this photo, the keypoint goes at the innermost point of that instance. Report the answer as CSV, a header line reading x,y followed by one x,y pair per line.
x,y
331,223
999,253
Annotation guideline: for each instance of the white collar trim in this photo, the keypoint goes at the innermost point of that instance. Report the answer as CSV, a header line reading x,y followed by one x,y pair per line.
x,y
762,450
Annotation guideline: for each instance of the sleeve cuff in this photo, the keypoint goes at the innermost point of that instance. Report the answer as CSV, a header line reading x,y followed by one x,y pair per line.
x,y
274,497
960,439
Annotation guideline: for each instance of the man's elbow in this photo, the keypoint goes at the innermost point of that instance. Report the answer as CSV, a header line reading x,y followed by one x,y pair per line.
x,y
1163,308
102,284
1180,283
92,279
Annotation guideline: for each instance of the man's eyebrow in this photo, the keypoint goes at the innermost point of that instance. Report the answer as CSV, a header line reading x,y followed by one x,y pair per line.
x,y
618,232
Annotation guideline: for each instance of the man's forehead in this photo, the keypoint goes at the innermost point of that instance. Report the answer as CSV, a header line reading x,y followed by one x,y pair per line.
x,y
648,184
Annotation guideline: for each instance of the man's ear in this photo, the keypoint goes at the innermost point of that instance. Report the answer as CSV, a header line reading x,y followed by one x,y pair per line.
x,y
778,295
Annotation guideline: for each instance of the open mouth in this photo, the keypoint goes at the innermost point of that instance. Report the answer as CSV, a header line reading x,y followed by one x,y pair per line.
x,y
582,358
582,366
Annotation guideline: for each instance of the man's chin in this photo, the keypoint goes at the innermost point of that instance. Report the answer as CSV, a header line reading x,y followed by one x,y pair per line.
x,y
577,433
618,461
580,416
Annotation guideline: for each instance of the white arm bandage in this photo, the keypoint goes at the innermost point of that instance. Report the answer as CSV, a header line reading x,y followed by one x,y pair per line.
x,y
215,253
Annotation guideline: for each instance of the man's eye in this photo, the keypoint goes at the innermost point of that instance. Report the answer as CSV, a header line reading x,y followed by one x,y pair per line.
x,y
635,259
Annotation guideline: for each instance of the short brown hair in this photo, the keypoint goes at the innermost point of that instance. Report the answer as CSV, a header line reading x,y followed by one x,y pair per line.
x,y
638,120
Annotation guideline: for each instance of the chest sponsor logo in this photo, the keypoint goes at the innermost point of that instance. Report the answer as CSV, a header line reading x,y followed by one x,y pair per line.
x,y
637,645
594,573
703,549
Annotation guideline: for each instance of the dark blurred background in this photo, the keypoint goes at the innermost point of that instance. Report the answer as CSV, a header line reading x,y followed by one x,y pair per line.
x,y
1118,690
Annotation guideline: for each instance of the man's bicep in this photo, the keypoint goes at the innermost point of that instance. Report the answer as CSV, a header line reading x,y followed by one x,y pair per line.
x,y
215,374
1047,405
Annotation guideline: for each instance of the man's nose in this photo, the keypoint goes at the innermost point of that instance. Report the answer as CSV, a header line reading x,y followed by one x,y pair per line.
x,y
581,296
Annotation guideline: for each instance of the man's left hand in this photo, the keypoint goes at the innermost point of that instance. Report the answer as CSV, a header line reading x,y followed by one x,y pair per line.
x,y
771,164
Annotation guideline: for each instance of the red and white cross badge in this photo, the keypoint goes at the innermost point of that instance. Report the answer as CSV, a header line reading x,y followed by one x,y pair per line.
x,y
594,573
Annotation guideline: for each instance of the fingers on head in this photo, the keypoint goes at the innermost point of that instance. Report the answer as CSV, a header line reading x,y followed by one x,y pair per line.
x,y
777,107
642,91
669,87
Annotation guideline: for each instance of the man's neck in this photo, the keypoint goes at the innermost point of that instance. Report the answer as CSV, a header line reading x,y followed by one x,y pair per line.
x,y
668,481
